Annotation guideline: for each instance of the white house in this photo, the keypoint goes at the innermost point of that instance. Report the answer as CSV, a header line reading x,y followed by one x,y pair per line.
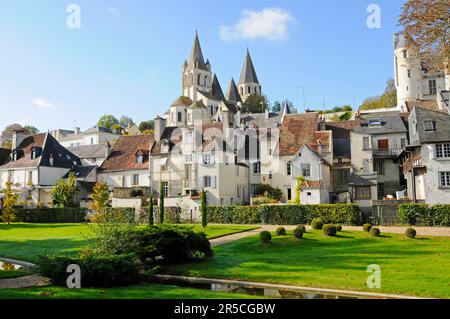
x,y
94,135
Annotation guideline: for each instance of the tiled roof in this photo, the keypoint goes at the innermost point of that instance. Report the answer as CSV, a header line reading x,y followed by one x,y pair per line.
x,y
311,185
123,154
197,105
89,151
296,131
182,100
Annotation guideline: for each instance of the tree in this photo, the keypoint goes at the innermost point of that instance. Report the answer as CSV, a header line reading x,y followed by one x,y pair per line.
x,y
300,180
147,126
100,197
65,191
7,134
150,210
8,210
388,99
276,107
126,121
107,121
204,211
256,103
426,25
161,203
31,129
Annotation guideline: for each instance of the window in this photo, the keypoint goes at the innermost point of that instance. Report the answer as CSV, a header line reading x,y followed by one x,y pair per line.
x,y
444,179
270,175
248,90
288,169
366,143
429,125
33,154
198,79
14,156
306,170
179,117
375,123
402,142
257,168
139,159
409,73
432,87
380,189
165,189
92,140
207,159
238,191
187,172
405,54
362,192
30,178
442,150
378,167
289,194
135,179
209,181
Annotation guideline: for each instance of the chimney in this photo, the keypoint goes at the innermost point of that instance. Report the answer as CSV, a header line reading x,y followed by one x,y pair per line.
x,y
266,113
17,138
77,130
160,125
107,149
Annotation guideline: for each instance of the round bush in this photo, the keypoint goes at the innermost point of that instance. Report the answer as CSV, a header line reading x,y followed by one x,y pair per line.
x,y
411,233
375,232
281,231
367,227
298,232
329,230
338,228
302,227
265,236
317,223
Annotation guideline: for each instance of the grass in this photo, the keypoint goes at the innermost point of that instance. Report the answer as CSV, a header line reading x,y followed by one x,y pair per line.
x,y
408,266
28,241
147,291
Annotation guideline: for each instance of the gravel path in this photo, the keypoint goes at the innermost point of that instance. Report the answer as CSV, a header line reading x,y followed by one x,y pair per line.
x,y
24,282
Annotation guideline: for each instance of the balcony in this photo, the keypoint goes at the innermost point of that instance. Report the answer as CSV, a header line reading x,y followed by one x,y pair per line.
x,y
411,163
387,153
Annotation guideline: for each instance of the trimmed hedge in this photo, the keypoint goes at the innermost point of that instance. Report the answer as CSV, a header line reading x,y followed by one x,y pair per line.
x,y
423,214
265,236
284,214
411,233
51,215
375,232
329,230
121,270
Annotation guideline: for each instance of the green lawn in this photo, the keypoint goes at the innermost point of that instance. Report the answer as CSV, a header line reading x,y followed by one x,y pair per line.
x,y
148,291
408,266
27,241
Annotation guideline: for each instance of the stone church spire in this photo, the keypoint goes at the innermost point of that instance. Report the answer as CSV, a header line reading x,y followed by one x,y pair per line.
x,y
233,93
196,59
248,83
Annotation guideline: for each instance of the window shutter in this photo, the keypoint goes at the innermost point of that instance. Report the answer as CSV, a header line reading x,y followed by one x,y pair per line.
x,y
213,182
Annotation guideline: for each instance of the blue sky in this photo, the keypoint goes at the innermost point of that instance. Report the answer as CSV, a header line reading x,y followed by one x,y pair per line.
x,y
126,58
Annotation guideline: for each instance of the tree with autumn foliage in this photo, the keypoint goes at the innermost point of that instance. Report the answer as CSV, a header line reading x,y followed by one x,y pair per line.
x,y
426,24
100,197
9,203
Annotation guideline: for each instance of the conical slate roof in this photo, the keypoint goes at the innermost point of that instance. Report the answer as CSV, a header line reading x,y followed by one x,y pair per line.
x,y
233,93
197,54
248,74
216,89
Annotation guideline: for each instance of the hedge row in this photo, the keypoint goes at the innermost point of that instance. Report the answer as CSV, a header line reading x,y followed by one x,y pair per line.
x,y
423,214
284,214
51,215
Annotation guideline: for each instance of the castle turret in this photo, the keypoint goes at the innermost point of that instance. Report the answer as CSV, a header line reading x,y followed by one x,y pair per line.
x,y
248,83
233,95
197,75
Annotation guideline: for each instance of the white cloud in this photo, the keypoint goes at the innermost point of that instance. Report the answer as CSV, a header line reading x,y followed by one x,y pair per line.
x,y
42,104
113,10
269,24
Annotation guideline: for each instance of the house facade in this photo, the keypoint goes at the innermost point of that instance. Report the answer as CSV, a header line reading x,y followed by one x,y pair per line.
x,y
94,135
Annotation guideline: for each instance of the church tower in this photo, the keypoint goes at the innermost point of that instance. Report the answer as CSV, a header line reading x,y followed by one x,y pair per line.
x,y
248,83
197,75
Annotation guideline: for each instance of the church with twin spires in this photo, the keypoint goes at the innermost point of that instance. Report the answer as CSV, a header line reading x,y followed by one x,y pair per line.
x,y
202,99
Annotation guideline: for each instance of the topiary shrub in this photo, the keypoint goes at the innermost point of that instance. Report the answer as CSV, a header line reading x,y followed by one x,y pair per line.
x,y
338,228
302,227
329,230
367,227
298,232
375,232
281,231
317,223
410,233
265,236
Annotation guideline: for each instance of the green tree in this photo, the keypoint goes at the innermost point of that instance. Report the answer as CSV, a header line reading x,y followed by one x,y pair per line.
x,y
107,121
161,203
7,134
256,103
126,121
65,191
9,203
100,198
386,100
204,211
276,107
300,180
31,129
150,210
147,126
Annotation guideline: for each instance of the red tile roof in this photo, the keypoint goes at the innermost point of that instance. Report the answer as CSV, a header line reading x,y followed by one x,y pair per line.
x,y
123,154
311,185
296,131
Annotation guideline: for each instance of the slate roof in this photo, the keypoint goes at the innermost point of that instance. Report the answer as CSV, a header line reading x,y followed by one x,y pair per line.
x,y
248,74
259,119
81,171
172,134
182,100
357,180
50,149
442,122
4,155
296,131
89,151
197,55
95,129
123,154
216,89
389,124
233,93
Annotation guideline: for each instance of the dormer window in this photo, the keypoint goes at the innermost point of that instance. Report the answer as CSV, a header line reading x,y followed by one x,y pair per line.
x,y
14,156
429,125
139,159
375,123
